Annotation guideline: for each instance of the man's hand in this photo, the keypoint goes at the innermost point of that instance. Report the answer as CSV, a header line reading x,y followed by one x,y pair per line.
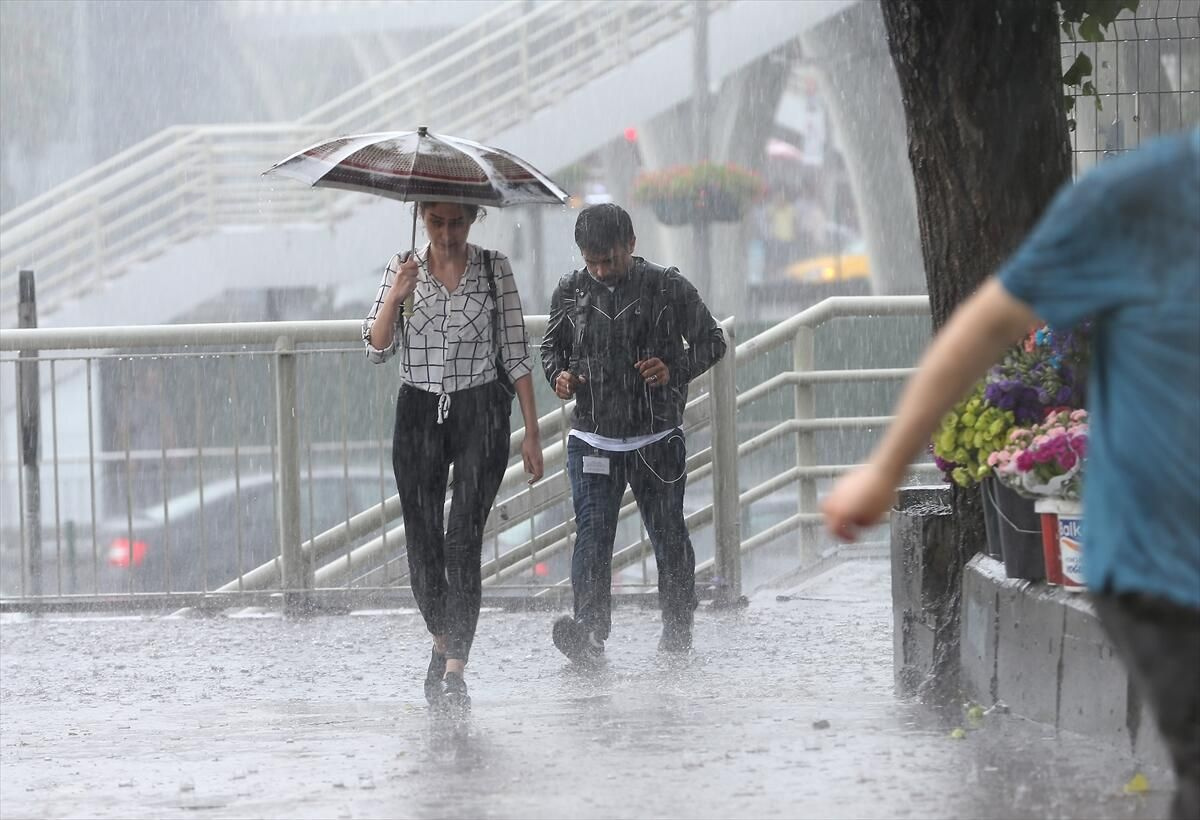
x,y
566,383
859,499
654,371
531,454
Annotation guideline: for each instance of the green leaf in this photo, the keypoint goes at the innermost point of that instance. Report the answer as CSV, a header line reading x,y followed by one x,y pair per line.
x,y
1068,103
1082,67
1090,29
1073,10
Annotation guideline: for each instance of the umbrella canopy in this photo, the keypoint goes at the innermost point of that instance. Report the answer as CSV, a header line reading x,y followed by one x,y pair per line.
x,y
415,166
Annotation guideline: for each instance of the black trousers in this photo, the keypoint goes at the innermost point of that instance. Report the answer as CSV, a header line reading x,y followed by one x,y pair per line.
x,y
444,557
1160,644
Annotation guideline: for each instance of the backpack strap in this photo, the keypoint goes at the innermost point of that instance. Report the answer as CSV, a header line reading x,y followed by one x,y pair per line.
x,y
497,318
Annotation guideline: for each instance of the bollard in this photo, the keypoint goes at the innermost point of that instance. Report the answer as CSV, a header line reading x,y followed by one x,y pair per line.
x,y
29,402
922,533
297,575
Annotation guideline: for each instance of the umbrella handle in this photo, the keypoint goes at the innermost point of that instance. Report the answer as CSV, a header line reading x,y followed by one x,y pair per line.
x,y
408,303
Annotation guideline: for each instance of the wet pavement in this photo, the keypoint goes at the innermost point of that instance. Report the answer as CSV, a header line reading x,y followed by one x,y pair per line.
x,y
785,709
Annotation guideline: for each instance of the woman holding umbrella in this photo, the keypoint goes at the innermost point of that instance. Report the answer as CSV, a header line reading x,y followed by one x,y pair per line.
x,y
453,313
461,348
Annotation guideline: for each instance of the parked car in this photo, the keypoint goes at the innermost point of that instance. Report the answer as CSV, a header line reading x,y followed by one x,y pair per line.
x,y
202,546
850,264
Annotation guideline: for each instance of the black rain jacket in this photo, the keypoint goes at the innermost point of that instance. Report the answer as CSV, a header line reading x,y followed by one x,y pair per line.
x,y
599,334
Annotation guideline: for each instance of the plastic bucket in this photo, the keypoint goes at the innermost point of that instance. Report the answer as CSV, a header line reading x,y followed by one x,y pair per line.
x,y
991,520
1070,544
1020,534
1048,510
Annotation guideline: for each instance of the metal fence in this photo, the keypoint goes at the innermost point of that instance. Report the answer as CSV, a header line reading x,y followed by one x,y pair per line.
x,y
239,464
1147,79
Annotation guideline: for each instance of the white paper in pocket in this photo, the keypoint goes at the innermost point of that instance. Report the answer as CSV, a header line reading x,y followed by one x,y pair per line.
x,y
595,465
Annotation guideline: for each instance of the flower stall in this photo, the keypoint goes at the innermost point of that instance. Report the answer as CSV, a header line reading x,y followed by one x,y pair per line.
x,y
1011,437
707,191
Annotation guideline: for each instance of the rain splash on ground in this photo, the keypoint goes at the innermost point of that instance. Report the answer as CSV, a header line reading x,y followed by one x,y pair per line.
x,y
785,709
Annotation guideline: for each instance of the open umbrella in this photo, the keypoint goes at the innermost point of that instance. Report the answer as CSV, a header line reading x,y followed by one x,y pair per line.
x,y
417,166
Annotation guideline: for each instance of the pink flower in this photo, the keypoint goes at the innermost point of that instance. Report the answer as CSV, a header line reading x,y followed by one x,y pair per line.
x,y
1067,460
1024,461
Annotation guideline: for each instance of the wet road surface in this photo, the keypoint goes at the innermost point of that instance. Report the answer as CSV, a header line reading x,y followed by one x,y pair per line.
x,y
785,709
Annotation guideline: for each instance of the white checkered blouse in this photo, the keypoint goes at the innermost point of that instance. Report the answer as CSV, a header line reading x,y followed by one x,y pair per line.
x,y
448,343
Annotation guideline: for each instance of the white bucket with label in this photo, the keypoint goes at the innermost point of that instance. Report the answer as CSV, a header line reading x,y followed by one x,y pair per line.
x,y
1070,544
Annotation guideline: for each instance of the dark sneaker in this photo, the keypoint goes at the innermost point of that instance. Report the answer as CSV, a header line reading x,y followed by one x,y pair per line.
x,y
433,678
454,694
576,641
676,635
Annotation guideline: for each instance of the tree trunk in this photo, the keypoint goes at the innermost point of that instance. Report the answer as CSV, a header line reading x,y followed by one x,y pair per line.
x,y
982,91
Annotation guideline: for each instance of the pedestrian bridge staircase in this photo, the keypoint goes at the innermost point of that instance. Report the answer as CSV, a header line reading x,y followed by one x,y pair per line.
x,y
551,81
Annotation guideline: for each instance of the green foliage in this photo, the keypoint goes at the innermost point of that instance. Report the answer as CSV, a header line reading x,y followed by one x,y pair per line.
x,y
970,432
1087,20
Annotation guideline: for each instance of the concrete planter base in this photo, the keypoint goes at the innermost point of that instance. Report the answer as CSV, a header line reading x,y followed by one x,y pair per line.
x,y
1043,653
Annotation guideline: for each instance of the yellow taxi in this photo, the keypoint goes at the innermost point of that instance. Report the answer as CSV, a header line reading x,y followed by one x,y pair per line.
x,y
851,263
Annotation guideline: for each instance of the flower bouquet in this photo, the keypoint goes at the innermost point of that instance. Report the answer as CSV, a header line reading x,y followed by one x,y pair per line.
x,y
968,435
1045,460
1046,370
707,191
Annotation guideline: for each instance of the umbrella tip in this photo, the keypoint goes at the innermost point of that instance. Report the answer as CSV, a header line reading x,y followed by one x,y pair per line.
x,y
423,131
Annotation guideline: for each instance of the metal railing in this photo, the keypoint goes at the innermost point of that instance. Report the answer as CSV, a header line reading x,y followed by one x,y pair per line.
x,y
276,414
188,181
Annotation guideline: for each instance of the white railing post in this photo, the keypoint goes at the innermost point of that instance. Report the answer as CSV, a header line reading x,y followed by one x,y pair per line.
x,y
210,182
526,96
297,572
805,409
99,268
726,489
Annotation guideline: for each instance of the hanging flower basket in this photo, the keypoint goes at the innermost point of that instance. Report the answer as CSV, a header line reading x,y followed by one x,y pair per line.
x,y
705,192
672,211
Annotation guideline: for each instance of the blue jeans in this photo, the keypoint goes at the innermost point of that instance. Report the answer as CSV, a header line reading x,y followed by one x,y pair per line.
x,y
657,475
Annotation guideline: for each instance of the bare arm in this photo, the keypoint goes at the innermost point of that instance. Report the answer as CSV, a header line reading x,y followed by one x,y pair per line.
x,y
976,335
531,446
383,329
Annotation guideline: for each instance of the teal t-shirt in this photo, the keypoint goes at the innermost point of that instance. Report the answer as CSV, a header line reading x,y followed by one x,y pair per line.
x,y
1122,247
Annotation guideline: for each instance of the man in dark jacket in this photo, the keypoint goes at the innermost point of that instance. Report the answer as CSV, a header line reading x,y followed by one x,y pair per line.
x,y
615,342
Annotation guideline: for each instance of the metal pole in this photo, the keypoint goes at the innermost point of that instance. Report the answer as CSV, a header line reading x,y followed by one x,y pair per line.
x,y
726,489
537,243
29,402
805,409
700,105
297,573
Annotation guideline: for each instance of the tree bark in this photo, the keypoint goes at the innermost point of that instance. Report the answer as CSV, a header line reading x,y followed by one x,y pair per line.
x,y
983,99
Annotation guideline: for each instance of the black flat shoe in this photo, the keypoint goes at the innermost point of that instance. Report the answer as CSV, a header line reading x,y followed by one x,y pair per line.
x,y
433,678
455,699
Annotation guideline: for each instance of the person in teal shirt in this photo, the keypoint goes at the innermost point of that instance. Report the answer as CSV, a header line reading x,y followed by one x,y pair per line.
x,y
1122,248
